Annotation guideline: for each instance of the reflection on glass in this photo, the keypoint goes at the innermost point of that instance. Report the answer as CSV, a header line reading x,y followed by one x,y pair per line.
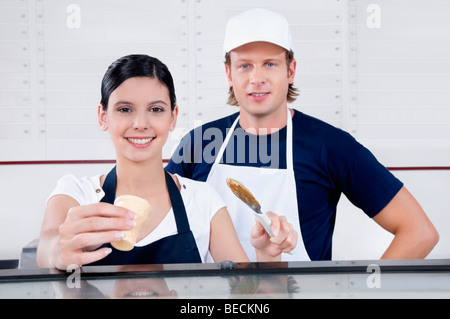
x,y
139,287
264,286
142,287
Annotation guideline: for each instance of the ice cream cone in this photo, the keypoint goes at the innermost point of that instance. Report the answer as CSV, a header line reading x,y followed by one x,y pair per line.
x,y
142,209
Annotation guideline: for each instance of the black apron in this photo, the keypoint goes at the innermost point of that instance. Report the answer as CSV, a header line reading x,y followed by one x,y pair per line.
x,y
178,248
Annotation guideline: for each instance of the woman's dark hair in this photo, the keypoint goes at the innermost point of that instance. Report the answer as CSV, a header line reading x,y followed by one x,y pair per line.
x,y
136,65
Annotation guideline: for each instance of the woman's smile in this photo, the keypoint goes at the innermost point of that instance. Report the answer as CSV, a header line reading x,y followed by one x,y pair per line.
x,y
140,142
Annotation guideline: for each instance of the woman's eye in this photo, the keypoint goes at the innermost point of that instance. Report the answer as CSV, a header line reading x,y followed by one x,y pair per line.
x,y
124,110
156,109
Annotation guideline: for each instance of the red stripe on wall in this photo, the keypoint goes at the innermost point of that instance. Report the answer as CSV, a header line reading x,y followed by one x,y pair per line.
x,y
58,162
420,168
406,168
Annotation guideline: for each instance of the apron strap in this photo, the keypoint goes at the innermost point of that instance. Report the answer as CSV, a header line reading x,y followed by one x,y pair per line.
x,y
289,142
109,187
225,142
177,205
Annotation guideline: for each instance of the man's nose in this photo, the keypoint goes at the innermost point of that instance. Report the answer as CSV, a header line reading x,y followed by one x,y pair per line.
x,y
258,76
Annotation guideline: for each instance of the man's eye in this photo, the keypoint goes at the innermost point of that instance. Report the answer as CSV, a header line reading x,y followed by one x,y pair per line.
x,y
270,64
244,66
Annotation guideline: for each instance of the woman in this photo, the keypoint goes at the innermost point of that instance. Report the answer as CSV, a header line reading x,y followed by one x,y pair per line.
x,y
188,220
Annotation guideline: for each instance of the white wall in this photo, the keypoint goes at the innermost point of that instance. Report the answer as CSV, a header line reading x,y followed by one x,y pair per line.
x,y
359,237
23,193
379,69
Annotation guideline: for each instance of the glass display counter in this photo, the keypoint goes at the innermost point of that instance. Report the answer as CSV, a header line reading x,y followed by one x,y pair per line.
x,y
285,280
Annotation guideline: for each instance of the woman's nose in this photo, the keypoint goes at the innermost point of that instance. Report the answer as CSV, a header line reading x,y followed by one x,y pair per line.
x,y
141,122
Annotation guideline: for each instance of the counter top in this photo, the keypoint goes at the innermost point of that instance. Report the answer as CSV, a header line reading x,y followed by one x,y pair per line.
x,y
286,280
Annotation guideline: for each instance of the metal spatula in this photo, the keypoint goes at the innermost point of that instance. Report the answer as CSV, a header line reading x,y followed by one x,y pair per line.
x,y
247,197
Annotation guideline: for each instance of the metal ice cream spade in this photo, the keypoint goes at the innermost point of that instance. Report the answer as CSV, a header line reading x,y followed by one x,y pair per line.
x,y
247,197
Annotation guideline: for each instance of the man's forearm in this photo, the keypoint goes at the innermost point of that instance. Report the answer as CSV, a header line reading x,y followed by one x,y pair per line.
x,y
411,245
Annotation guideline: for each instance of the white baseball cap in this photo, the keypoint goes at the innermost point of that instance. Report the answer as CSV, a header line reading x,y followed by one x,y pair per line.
x,y
257,25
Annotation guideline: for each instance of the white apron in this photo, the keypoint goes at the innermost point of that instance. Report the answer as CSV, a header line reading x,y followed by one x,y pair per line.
x,y
274,189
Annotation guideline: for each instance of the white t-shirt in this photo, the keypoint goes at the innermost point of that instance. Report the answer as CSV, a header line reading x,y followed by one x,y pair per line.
x,y
200,200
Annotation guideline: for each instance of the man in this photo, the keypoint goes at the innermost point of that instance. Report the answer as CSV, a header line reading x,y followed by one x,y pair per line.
x,y
295,165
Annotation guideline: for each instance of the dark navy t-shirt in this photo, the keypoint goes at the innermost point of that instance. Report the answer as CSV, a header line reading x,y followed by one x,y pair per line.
x,y
327,163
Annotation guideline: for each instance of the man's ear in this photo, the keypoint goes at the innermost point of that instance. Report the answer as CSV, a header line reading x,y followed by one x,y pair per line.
x,y
228,71
102,118
292,68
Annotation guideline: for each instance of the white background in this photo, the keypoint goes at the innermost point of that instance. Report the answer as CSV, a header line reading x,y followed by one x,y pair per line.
x,y
377,69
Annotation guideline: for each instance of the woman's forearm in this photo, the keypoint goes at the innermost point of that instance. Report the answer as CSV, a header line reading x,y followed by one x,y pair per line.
x,y
47,249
